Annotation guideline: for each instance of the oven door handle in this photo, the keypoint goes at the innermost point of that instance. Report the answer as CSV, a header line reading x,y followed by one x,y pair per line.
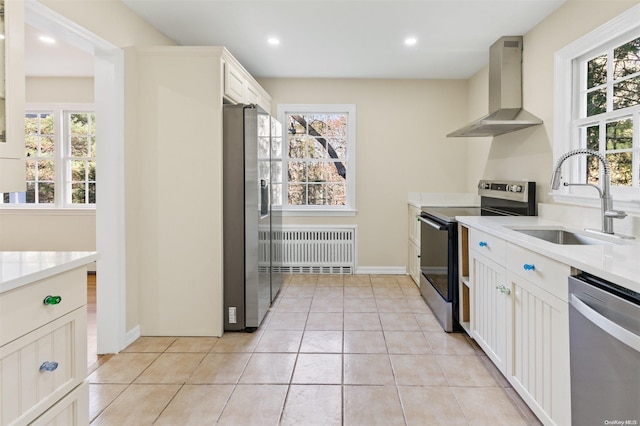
x,y
433,224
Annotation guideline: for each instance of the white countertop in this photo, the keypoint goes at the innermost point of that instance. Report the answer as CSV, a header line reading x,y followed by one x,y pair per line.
x,y
18,268
618,263
443,199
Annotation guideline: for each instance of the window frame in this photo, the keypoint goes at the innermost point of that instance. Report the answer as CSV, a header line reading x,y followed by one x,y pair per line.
x,y
283,110
567,104
61,113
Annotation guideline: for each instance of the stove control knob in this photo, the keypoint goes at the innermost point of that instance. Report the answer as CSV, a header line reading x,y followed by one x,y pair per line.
x,y
515,188
484,185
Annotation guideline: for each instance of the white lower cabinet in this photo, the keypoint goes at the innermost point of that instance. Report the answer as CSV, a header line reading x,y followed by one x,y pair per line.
x,y
520,319
540,371
413,262
43,357
73,409
491,326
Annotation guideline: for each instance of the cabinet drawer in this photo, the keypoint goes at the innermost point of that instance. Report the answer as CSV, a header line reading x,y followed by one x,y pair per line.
x,y
540,270
487,245
72,410
26,391
23,309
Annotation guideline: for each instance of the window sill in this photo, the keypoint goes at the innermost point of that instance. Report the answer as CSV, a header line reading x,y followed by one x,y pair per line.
x,y
48,211
317,213
629,206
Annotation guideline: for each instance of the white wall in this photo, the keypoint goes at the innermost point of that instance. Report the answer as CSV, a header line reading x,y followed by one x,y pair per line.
x,y
401,147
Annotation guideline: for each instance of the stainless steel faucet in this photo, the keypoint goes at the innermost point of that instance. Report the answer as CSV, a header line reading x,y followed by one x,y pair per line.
x,y
608,214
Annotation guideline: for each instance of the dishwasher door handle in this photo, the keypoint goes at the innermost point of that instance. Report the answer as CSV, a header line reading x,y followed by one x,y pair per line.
x,y
619,333
433,224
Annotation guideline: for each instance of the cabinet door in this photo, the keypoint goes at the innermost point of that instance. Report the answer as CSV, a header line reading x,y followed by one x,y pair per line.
x,y
12,88
414,225
492,310
41,367
253,95
414,263
234,84
13,175
540,370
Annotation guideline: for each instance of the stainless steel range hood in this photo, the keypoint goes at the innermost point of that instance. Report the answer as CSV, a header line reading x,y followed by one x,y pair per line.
x,y
505,93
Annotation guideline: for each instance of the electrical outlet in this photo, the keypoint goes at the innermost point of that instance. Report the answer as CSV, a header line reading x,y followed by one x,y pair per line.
x,y
232,315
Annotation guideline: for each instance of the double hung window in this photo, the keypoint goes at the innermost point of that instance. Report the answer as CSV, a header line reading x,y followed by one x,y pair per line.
x,y
597,106
318,158
60,160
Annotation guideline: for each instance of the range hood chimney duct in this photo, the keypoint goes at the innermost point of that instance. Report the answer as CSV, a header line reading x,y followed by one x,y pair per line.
x,y
505,93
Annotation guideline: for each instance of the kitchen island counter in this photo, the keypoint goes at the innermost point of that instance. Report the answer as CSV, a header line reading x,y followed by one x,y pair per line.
x,y
18,268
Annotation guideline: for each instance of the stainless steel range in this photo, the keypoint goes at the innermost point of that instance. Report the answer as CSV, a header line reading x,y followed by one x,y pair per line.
x,y
439,242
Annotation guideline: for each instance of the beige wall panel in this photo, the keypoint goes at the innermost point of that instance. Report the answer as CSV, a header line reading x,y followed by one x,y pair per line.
x,y
59,90
179,216
47,231
401,147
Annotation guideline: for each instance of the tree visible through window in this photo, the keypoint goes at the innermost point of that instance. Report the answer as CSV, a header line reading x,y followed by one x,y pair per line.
x,y
60,159
40,147
319,156
611,106
81,146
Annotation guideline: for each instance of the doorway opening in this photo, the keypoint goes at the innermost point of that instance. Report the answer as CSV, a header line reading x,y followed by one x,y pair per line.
x,y
109,106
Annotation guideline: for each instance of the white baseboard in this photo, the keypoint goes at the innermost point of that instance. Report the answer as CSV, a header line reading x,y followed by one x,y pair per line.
x,y
381,270
131,336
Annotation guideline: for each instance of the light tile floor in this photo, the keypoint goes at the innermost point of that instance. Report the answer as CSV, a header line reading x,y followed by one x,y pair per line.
x,y
333,350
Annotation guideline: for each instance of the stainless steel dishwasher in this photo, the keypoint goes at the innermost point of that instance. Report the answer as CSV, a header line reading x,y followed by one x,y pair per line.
x,y
604,335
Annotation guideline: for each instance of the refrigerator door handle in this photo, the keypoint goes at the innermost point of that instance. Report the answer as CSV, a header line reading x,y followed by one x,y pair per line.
x,y
264,198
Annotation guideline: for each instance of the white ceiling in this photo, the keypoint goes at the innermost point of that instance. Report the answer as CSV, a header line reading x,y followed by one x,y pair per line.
x,y
326,38
348,39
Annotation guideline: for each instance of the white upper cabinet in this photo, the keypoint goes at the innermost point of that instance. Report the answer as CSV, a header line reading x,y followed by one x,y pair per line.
x,y
12,98
234,84
240,87
12,83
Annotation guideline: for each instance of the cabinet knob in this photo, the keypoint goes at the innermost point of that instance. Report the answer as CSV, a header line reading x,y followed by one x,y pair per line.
x,y
529,267
49,366
52,300
503,289
482,243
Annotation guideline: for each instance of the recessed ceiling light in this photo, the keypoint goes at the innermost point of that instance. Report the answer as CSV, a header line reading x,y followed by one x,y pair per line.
x,y
47,39
273,41
410,41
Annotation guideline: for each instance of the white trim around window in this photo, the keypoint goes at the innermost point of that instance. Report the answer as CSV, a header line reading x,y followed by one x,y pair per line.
x,y
565,137
315,210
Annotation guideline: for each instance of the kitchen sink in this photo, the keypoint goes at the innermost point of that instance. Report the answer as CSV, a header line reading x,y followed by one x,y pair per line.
x,y
564,237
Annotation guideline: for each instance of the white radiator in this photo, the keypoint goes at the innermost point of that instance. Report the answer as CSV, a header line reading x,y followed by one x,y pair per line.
x,y
312,250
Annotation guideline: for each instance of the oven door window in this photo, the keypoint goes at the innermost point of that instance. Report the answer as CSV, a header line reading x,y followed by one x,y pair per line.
x,y
434,256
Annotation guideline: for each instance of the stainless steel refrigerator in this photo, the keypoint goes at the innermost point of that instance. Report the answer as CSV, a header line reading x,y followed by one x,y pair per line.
x,y
248,246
